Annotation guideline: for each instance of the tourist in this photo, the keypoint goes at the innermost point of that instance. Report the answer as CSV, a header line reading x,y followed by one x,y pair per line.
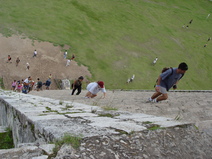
x,y
39,85
19,86
35,53
9,59
65,54
68,62
77,85
26,84
48,83
14,83
17,61
27,66
166,80
94,87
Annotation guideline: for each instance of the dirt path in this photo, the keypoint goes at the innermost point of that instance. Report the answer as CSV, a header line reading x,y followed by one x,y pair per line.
x,y
49,60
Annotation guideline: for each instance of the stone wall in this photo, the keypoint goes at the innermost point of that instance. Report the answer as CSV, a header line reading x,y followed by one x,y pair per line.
x,y
21,126
124,135
171,143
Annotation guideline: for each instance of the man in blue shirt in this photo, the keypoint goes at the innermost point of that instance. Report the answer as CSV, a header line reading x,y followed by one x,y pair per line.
x,y
166,80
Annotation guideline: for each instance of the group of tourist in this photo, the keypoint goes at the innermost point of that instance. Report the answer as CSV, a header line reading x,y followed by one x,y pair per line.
x,y
165,81
27,85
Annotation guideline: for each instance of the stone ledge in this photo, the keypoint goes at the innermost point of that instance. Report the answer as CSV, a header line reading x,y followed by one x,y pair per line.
x,y
52,118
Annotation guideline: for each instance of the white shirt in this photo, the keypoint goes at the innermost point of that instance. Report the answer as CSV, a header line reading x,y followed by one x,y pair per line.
x,y
68,62
94,88
26,80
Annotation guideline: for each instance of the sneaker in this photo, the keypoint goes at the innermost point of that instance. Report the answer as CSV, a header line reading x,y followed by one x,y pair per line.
x,y
149,100
154,100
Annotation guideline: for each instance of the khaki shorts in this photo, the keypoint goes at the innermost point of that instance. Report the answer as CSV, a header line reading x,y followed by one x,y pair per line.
x,y
163,90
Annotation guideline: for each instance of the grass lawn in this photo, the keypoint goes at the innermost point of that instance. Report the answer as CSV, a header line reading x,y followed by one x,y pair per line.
x,y
116,39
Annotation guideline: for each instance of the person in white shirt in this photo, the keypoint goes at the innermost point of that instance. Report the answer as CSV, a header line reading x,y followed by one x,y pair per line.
x,y
94,87
35,53
68,62
155,60
26,84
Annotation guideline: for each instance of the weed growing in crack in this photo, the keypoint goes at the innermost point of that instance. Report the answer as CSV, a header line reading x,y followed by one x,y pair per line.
x,y
69,139
109,108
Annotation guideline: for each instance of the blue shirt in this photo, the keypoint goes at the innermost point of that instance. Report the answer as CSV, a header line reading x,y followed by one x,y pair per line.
x,y
169,78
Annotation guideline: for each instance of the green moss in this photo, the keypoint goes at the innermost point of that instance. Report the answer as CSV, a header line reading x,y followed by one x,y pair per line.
x,y
155,127
6,140
109,108
106,115
32,127
147,122
2,83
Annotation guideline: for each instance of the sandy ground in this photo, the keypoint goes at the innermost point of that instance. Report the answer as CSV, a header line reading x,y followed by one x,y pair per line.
x,y
49,60
194,107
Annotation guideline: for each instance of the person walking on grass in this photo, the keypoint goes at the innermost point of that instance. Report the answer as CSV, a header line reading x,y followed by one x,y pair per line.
x,y
77,85
94,87
166,80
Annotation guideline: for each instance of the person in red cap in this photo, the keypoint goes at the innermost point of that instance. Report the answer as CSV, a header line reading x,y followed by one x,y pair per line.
x,y
94,87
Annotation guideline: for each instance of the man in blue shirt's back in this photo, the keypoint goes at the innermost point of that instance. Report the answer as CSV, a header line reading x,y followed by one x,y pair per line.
x,y
166,80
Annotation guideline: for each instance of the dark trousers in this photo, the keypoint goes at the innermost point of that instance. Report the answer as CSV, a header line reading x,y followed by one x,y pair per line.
x,y
78,88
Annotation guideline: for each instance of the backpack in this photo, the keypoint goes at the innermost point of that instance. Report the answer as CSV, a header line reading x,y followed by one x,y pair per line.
x,y
165,69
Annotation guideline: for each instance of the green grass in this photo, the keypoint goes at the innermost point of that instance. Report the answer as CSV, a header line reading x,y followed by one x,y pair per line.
x,y
116,39
2,83
68,139
6,140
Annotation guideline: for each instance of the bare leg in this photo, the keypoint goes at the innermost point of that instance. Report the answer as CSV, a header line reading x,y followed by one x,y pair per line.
x,y
162,97
89,94
93,95
159,96
155,95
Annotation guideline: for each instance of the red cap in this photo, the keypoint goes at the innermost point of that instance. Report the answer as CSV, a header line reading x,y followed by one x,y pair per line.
x,y
101,84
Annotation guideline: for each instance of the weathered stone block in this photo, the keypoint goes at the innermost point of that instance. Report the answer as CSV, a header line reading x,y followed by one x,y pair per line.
x,y
66,84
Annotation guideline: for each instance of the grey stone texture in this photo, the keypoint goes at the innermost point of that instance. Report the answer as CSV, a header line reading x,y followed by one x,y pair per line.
x,y
121,135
